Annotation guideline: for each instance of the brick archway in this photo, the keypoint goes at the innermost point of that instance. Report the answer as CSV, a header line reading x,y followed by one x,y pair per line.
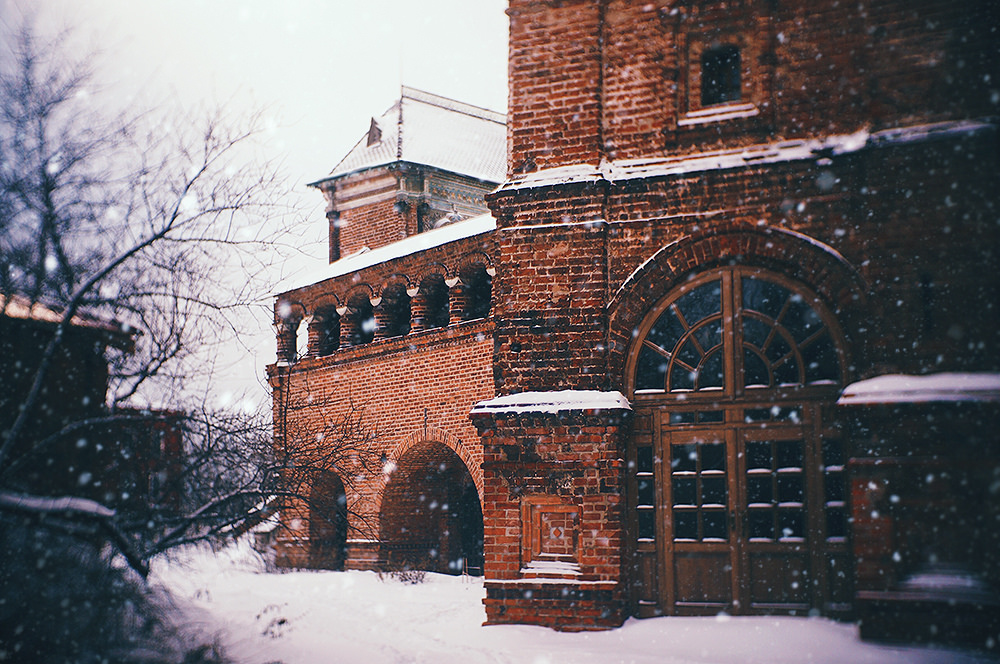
x,y
430,513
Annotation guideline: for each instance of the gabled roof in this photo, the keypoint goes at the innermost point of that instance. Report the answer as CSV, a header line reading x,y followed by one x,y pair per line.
x,y
422,128
20,307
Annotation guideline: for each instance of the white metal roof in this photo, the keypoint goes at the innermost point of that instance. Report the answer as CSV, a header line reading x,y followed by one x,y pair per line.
x,y
430,130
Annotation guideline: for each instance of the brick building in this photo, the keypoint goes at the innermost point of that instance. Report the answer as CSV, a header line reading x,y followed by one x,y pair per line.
x,y
717,218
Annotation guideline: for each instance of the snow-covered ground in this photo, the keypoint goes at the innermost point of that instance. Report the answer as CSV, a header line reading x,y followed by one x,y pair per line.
x,y
313,617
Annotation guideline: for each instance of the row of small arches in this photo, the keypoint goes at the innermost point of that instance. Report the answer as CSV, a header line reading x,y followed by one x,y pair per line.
x,y
363,317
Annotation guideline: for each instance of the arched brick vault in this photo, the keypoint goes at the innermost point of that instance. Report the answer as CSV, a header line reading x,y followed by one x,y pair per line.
x,y
793,254
431,435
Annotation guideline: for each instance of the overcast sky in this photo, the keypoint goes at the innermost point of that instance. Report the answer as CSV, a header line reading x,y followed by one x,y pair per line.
x,y
321,68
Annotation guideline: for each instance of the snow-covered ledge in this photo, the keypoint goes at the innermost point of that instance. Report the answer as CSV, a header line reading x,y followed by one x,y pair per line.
x,y
553,402
941,387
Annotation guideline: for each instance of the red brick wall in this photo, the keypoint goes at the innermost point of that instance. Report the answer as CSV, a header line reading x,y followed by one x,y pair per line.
x,y
554,76
567,466
370,226
617,81
449,369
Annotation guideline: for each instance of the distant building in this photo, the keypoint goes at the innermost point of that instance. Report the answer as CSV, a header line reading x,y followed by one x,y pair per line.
x,y
72,445
718,219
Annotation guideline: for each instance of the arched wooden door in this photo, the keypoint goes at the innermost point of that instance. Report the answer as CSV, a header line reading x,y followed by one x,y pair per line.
x,y
736,484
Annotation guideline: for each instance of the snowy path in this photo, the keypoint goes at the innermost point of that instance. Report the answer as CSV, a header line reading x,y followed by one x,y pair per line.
x,y
347,617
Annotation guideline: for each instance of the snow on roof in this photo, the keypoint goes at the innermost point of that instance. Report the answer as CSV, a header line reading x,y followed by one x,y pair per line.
x,y
17,306
45,505
902,388
427,129
554,402
768,153
410,245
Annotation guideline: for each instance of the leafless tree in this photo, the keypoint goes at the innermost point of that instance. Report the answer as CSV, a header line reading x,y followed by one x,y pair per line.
x,y
163,225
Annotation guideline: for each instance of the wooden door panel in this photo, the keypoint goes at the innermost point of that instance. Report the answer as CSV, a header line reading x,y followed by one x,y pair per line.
x,y
703,579
778,581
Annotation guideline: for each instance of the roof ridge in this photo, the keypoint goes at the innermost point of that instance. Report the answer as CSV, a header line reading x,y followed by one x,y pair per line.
x,y
452,104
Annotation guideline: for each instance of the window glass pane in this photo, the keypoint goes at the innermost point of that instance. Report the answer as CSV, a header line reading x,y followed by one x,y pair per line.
x,y
645,491
800,319
711,373
644,459
682,418
758,454
685,491
833,453
684,458
651,370
755,373
709,335
836,522
764,296
791,523
720,75
690,354
701,303
713,456
789,453
759,489
667,330
681,379
755,331
647,524
713,490
760,523
685,524
820,358
790,489
833,487
714,524
711,416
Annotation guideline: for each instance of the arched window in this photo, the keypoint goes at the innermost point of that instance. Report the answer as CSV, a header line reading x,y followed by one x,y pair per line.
x,y
327,324
478,293
434,293
774,331
361,320
395,311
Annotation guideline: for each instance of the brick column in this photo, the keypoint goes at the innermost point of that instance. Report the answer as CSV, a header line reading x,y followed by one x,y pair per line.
x,y
348,319
418,310
552,504
381,318
457,300
285,337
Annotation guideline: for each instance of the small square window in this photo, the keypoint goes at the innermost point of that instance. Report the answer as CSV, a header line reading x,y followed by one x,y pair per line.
x,y
720,75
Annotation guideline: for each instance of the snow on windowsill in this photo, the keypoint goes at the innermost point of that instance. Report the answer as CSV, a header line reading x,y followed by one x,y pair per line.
x,y
551,569
942,387
718,114
554,402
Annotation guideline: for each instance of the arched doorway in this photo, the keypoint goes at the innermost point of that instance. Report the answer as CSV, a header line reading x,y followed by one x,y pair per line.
x,y
736,484
431,517
327,522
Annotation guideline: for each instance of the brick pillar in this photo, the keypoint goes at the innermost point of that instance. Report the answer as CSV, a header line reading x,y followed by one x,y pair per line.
x,y
348,319
553,484
418,310
381,318
285,337
457,300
